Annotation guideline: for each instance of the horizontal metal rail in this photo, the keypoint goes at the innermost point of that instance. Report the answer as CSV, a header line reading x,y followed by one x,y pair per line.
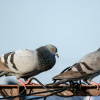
x,y
37,90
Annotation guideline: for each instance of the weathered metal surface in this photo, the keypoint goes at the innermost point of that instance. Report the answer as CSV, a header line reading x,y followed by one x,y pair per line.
x,y
13,90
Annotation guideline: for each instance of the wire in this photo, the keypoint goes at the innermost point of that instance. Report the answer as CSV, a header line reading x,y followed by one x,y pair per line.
x,y
47,95
52,92
65,69
9,97
39,83
63,72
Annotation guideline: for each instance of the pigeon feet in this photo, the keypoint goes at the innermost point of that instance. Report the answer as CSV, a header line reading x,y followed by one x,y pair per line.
x,y
94,83
26,83
31,83
22,83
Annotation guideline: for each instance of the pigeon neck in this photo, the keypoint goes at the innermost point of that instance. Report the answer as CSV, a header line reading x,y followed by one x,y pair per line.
x,y
46,58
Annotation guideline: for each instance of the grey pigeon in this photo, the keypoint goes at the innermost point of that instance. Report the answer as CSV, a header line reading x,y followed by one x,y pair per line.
x,y
28,63
87,68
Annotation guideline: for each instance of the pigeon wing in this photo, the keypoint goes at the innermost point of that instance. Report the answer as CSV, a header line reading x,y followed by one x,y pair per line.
x,y
4,67
20,61
87,68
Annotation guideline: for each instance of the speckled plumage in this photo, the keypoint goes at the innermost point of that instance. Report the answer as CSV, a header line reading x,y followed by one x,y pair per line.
x,y
27,63
45,58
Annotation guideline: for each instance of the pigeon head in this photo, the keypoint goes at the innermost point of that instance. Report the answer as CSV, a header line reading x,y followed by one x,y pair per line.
x,y
52,49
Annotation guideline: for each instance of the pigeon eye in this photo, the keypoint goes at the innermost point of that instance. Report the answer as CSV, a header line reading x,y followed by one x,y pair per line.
x,y
53,49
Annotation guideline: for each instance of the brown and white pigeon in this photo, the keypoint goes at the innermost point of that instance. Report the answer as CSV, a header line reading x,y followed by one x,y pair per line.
x,y
87,68
28,63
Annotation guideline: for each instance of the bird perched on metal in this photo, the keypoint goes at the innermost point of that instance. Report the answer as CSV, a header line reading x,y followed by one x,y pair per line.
x,y
87,68
28,63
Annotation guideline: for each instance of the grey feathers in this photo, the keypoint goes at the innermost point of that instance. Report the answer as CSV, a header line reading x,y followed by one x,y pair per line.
x,y
98,49
6,57
87,68
27,63
12,61
45,58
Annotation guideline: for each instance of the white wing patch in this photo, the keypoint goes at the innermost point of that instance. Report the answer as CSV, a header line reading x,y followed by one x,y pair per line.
x,y
74,69
2,58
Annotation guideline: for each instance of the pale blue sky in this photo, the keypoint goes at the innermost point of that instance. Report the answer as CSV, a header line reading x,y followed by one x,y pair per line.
x,y
73,26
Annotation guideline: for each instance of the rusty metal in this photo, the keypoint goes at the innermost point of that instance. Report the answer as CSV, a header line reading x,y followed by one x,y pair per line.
x,y
13,90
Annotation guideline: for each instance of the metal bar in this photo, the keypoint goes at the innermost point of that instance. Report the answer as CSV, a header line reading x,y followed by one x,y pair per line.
x,y
13,90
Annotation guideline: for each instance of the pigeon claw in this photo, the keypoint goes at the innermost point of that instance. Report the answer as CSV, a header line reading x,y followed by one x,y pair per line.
x,y
98,84
22,83
27,82
31,83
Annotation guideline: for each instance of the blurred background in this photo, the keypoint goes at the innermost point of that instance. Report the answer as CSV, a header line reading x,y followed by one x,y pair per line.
x,y
73,26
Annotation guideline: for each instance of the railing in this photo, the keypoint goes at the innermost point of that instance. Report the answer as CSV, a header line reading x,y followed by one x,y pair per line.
x,y
16,92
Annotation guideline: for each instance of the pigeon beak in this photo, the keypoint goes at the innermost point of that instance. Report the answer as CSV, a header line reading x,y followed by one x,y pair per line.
x,y
56,54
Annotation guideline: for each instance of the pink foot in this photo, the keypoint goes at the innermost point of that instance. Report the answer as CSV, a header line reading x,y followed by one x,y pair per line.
x,y
94,83
27,83
22,83
31,82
